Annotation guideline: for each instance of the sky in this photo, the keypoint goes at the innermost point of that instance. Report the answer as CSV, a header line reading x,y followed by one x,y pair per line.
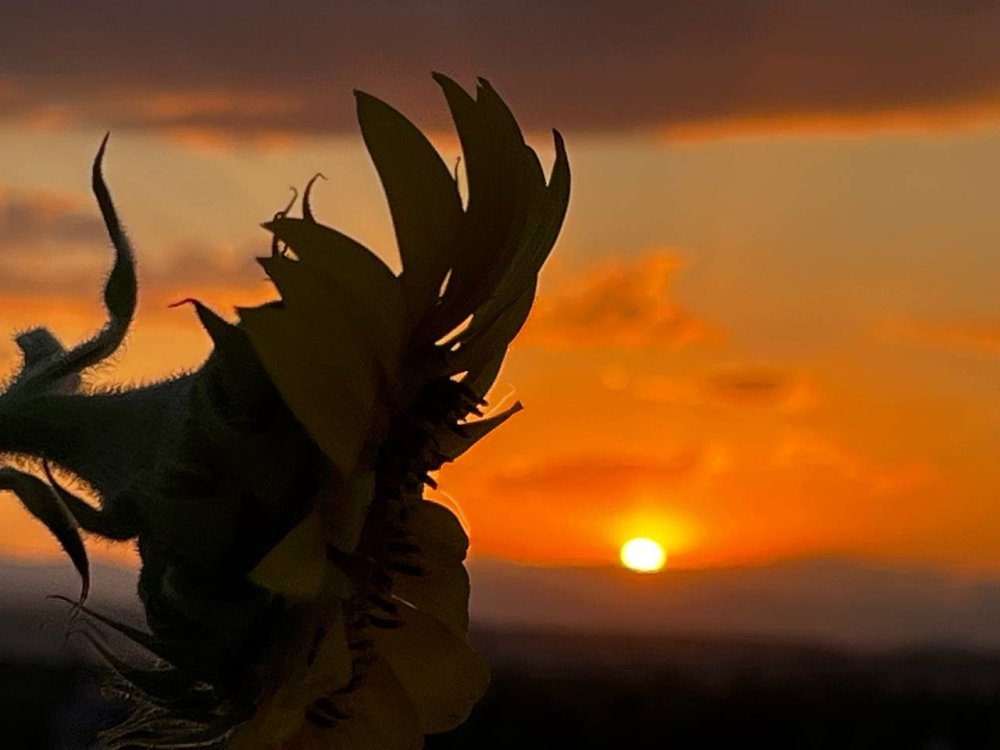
x,y
770,328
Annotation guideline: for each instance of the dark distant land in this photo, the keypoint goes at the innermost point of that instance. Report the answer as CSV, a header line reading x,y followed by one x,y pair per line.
x,y
810,654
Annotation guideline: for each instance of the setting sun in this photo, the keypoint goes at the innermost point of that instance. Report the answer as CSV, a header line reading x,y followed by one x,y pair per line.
x,y
643,555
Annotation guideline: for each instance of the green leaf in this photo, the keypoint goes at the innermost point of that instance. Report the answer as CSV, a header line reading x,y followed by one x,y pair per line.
x,y
121,289
114,521
200,527
147,641
38,345
45,504
162,684
226,607
120,292
423,199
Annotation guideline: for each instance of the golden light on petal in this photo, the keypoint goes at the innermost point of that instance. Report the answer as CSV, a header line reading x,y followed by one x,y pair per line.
x,y
643,555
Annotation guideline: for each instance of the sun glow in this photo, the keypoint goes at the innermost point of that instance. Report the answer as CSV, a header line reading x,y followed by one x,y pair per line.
x,y
643,555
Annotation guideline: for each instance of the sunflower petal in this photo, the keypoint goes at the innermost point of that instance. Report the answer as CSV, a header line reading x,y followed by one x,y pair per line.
x,y
316,661
380,715
442,588
530,195
555,205
355,277
360,275
423,199
320,363
343,506
296,566
452,445
548,211
439,591
437,532
500,179
334,252
500,318
322,296
481,378
494,337
442,675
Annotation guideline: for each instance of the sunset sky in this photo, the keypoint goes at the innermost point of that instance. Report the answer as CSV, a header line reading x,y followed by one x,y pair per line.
x,y
770,328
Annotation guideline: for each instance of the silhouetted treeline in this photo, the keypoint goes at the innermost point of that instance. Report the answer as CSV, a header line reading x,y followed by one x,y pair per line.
x,y
850,712
574,691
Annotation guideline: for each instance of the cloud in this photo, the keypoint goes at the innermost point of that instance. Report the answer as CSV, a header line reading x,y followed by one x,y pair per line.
x,y
29,219
597,475
51,244
786,390
762,385
749,385
196,264
980,335
187,269
616,302
253,67
815,453
53,247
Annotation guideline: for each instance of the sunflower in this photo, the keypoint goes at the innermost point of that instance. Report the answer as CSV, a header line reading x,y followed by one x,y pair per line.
x,y
299,590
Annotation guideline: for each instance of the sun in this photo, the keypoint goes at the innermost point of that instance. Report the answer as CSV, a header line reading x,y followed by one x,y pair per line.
x,y
643,555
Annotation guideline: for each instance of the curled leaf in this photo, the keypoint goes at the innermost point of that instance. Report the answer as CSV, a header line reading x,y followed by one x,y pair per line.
x,y
44,503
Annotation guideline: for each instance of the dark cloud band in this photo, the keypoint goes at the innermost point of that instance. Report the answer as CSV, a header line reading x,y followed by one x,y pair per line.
x,y
247,67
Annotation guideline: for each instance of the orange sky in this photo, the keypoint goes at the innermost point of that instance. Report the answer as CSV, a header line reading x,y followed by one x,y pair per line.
x,y
763,334
784,395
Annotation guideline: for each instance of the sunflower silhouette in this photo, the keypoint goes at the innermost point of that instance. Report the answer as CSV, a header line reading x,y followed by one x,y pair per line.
x,y
299,590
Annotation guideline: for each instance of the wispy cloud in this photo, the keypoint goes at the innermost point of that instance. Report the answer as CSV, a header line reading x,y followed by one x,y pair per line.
x,y
762,385
816,454
604,476
55,247
788,390
36,218
616,302
980,335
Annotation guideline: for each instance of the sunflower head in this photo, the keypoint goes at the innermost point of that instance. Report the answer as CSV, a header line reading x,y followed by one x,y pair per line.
x,y
299,590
